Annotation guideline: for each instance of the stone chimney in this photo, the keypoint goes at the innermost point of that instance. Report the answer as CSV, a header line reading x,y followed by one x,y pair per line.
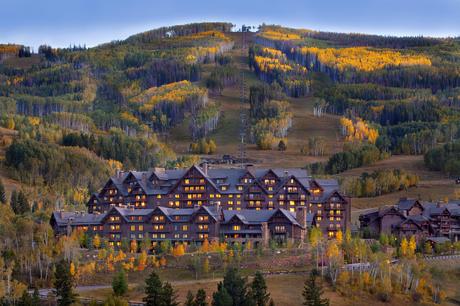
x,y
441,203
265,234
205,166
301,216
144,177
159,170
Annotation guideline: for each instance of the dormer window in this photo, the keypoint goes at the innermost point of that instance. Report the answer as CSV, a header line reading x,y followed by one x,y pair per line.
x,y
224,188
187,181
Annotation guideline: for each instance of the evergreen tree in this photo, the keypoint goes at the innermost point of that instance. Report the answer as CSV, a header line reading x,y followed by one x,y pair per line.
x,y
236,287
63,284
2,193
312,292
259,292
19,202
190,299
200,299
120,284
26,299
153,290
23,202
159,294
169,296
282,146
14,201
36,297
221,297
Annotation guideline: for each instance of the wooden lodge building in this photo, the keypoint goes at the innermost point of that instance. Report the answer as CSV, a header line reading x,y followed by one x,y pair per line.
x,y
413,217
198,203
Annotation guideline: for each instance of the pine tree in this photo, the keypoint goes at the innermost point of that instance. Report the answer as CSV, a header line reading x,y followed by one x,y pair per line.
x,y
190,299
200,299
153,290
259,291
63,284
236,286
120,284
221,297
26,299
19,202
282,146
14,201
157,293
312,292
2,193
36,297
169,296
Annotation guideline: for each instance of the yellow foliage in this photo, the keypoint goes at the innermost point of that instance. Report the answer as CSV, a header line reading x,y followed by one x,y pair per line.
x,y
364,59
178,250
133,246
279,35
142,261
178,92
273,53
358,131
163,262
404,247
205,246
97,241
73,271
35,121
339,237
120,256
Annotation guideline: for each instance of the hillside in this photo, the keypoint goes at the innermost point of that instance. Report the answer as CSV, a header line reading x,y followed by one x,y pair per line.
x,y
145,101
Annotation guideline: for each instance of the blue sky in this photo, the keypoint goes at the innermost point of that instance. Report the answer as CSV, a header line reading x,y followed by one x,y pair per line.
x,y
91,22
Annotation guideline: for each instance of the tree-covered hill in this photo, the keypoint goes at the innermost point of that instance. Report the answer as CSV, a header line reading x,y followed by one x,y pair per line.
x,y
132,103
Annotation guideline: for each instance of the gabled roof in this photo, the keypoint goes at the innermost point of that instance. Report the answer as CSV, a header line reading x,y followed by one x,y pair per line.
x,y
406,204
287,214
251,216
412,221
62,218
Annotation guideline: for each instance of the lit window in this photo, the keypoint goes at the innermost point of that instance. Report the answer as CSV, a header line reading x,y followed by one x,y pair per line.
x,y
133,228
236,227
187,181
141,227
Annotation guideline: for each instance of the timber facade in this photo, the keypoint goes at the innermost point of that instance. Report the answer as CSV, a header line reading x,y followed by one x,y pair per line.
x,y
411,217
190,205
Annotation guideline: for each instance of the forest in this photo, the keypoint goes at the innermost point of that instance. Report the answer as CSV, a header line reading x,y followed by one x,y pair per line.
x,y
78,114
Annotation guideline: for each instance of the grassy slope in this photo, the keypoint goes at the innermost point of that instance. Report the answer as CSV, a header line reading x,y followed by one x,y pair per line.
x,y
227,133
284,289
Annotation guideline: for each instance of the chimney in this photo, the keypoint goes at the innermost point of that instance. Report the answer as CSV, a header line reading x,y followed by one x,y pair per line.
x,y
301,216
144,177
249,167
286,173
61,214
159,170
205,167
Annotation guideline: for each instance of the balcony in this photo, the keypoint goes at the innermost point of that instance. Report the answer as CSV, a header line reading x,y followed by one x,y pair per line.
x,y
253,197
